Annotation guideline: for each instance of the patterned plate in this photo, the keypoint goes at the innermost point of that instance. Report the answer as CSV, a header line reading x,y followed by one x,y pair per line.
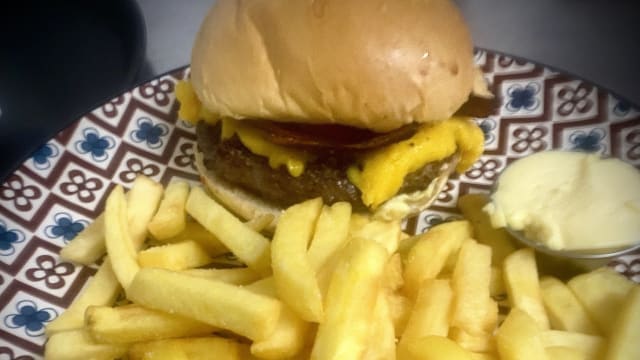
x,y
63,186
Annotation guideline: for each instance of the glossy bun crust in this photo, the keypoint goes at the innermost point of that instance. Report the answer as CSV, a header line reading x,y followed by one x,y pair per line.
x,y
376,64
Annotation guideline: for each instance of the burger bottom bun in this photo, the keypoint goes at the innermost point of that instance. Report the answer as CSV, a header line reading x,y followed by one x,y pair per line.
x,y
242,203
249,206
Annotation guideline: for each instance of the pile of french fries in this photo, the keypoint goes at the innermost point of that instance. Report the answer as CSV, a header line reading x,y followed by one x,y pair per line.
x,y
328,284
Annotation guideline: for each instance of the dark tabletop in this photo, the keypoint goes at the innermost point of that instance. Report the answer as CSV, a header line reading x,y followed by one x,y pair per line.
x,y
60,61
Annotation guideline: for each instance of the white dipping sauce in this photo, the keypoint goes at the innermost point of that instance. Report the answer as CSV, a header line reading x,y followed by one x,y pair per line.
x,y
570,201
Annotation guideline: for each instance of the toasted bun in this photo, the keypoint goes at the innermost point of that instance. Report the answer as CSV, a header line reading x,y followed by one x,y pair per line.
x,y
249,206
376,64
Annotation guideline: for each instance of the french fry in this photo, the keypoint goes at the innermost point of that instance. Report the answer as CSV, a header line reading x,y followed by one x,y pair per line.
x,y
387,233
523,287
496,285
564,353
483,342
88,246
484,356
200,348
499,240
382,339
294,275
364,282
178,256
213,302
602,293
247,244
196,232
473,309
624,333
142,203
519,337
405,244
118,238
591,346
331,233
163,353
290,335
260,222
430,314
435,347
392,279
134,323
352,294
563,308
78,345
171,218
400,308
102,289
429,254
236,276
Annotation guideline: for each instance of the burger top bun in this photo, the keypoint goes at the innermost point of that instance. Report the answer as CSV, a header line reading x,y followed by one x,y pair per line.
x,y
375,64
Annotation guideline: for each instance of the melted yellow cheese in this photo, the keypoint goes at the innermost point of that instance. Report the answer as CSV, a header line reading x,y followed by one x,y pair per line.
x,y
191,108
293,160
380,173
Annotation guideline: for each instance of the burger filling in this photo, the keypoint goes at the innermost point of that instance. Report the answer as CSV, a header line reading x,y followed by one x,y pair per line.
x,y
286,164
324,175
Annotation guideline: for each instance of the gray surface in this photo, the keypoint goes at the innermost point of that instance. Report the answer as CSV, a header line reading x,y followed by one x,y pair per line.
x,y
593,39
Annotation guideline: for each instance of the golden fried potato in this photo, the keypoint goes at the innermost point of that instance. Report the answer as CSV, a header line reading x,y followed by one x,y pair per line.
x,y
134,323
520,275
294,274
213,302
602,293
624,332
499,240
351,296
435,347
102,289
171,218
429,254
474,311
118,238
199,348
563,308
179,256
78,345
247,244
519,337
290,335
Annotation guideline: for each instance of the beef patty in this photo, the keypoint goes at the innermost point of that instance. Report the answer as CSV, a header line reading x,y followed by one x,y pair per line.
x,y
325,176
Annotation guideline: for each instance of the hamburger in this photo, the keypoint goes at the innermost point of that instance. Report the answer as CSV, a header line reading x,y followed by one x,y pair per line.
x,y
365,101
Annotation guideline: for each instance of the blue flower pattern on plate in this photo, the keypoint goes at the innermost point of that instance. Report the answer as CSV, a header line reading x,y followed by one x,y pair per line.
x,y
43,155
65,227
432,220
149,133
95,144
8,238
30,318
622,107
590,142
487,126
523,98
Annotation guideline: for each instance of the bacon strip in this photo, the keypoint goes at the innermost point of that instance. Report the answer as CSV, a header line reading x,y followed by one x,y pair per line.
x,y
330,136
479,107
346,137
